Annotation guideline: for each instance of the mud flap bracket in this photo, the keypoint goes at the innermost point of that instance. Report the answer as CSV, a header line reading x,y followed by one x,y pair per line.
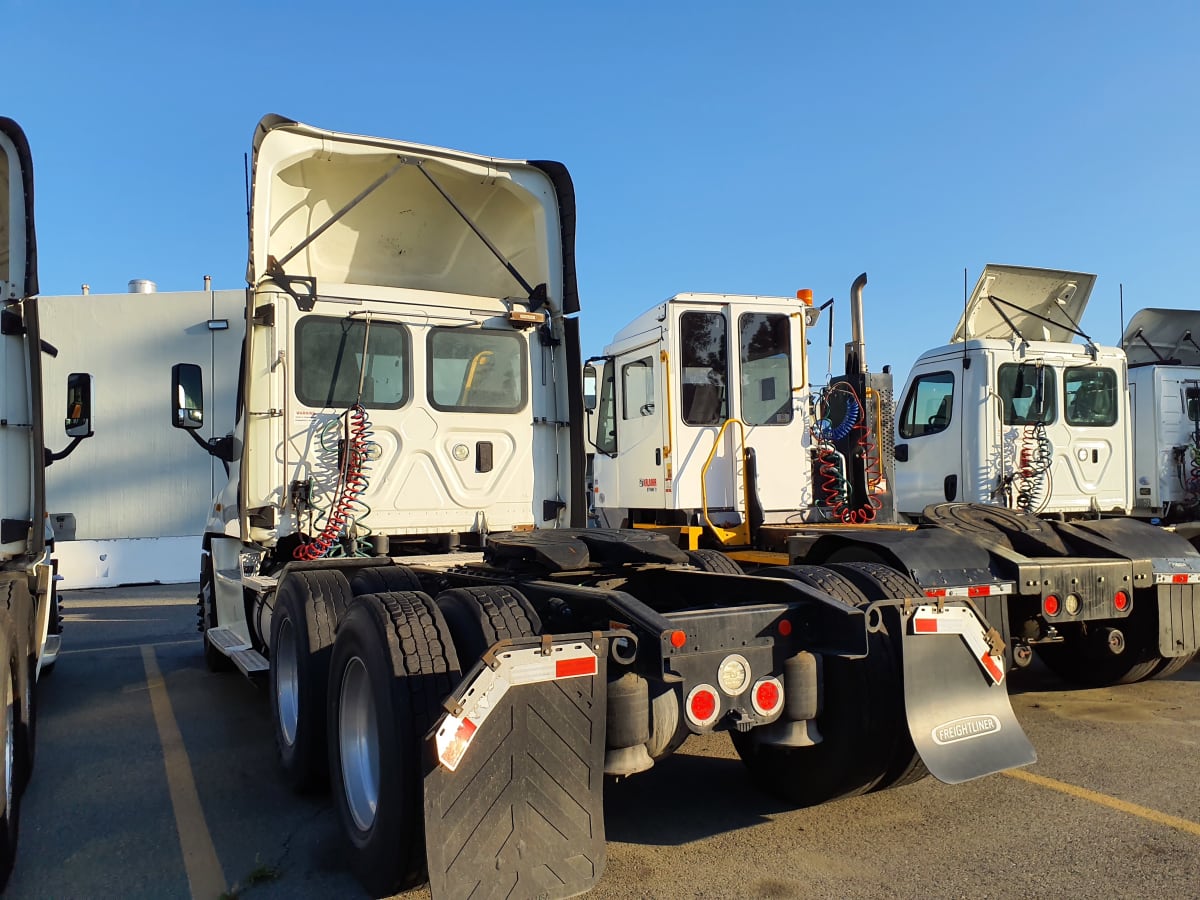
x,y
959,714
514,776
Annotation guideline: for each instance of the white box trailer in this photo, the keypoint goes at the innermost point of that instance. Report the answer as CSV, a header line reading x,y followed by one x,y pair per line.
x,y
128,507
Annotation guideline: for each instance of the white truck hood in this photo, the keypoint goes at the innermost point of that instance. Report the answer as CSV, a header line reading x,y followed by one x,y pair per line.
x,y
18,247
1174,335
1030,297
347,209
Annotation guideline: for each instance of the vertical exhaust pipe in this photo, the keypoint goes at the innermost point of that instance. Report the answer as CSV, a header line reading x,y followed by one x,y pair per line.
x,y
856,350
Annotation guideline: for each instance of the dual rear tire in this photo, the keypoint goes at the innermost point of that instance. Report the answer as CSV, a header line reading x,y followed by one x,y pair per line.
x,y
398,654
865,744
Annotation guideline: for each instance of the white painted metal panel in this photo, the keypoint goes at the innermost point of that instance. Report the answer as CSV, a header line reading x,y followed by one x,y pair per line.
x,y
138,478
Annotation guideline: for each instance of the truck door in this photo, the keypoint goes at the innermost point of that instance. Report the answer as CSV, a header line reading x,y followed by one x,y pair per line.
x,y
702,375
771,372
640,419
928,442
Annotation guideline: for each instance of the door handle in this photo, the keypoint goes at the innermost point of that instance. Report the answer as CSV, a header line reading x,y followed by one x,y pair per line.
x,y
900,453
658,456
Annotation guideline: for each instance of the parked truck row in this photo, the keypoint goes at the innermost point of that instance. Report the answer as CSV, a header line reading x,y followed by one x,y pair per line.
x,y
401,550
1006,476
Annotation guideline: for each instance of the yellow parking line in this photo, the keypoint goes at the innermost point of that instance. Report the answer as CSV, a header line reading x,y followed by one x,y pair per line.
x,y
204,873
1142,812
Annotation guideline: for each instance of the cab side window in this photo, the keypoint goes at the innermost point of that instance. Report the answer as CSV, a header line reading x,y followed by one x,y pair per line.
x,y
928,406
637,388
606,424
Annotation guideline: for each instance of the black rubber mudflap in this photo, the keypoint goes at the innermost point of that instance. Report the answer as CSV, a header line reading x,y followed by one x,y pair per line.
x,y
522,815
960,719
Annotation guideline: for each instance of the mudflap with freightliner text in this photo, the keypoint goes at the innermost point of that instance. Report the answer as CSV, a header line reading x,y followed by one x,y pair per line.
x,y
955,696
514,803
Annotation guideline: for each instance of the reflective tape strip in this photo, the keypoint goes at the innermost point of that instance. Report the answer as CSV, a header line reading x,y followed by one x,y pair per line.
x,y
974,590
571,659
962,621
1189,578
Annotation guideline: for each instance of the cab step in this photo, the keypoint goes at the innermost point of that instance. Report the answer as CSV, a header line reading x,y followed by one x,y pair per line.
x,y
249,661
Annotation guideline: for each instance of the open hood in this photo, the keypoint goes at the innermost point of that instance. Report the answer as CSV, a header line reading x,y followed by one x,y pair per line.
x,y
1028,298
18,248
346,209
1172,336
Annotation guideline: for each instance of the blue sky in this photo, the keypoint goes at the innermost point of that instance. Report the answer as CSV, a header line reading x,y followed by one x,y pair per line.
x,y
741,148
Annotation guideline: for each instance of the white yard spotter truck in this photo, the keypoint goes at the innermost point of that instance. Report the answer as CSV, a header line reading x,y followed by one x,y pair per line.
x,y
400,549
1011,449
1163,350
30,628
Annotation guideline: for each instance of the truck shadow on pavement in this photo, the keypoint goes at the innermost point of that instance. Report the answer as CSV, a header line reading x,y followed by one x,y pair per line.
x,y
698,797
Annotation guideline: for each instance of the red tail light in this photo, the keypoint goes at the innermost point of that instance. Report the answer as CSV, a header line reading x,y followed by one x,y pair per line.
x,y
1121,601
1050,605
767,696
703,705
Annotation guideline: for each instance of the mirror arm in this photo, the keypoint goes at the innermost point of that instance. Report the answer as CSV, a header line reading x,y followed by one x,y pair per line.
x,y
222,448
50,457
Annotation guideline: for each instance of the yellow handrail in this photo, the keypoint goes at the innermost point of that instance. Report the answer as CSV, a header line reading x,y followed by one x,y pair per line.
x,y
879,437
739,535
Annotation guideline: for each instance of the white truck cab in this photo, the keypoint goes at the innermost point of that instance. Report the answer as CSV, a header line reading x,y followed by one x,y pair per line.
x,y
1012,412
398,294
683,390
1163,349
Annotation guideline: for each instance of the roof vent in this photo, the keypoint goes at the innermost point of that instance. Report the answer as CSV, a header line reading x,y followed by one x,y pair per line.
x,y
142,286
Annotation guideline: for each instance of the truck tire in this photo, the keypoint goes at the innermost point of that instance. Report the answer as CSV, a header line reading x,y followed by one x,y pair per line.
x,y
382,579
1081,661
10,766
1169,665
881,582
480,616
393,664
17,606
850,759
308,606
206,599
713,561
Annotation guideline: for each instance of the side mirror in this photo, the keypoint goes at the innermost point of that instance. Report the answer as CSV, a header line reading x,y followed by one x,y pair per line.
x,y
187,396
79,405
589,387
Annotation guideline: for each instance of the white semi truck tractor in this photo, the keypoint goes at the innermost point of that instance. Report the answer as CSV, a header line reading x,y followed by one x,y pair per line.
x,y
400,549
1005,477
30,633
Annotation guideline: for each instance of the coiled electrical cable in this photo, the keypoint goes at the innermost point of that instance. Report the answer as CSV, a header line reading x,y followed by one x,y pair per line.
x,y
352,483
1036,455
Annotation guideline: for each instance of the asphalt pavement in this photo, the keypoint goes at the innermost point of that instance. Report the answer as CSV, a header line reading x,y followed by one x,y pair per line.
x,y
156,778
